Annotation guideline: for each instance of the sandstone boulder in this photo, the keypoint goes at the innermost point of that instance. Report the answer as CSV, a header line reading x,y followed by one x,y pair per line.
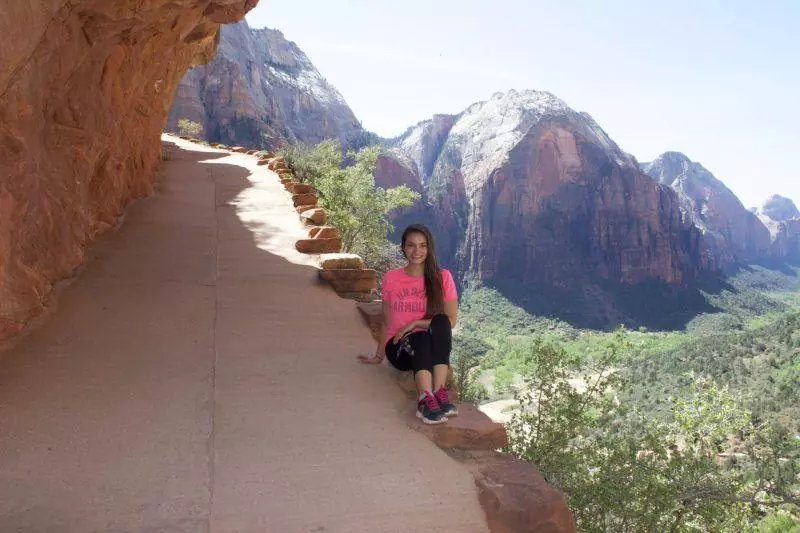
x,y
262,161
324,232
359,296
303,208
346,274
347,261
515,497
371,312
364,285
319,246
304,199
239,149
303,188
469,430
313,217
277,163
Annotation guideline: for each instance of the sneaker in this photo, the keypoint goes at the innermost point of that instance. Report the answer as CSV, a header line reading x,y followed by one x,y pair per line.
x,y
428,410
448,408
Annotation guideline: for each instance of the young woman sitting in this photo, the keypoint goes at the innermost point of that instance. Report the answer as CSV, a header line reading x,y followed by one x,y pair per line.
x,y
420,306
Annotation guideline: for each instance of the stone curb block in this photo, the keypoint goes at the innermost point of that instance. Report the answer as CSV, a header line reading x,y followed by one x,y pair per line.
x,y
348,274
324,232
318,246
313,217
365,285
304,199
338,261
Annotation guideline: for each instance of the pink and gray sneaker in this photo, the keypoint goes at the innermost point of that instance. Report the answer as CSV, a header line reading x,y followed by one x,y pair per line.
x,y
448,408
428,410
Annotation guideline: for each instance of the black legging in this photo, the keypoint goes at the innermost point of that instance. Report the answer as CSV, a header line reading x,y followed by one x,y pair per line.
x,y
422,350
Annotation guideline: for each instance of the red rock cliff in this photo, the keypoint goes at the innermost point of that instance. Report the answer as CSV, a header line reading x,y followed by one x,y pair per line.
x,y
523,188
85,87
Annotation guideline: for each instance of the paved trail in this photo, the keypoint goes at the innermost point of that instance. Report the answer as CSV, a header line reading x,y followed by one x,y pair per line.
x,y
196,378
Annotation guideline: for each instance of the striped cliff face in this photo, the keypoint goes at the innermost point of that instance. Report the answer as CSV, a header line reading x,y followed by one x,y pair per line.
x,y
522,187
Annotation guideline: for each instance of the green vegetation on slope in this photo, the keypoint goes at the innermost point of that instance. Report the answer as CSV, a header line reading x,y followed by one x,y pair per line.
x,y
690,430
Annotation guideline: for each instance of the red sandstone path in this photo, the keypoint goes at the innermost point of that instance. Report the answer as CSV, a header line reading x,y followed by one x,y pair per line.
x,y
196,378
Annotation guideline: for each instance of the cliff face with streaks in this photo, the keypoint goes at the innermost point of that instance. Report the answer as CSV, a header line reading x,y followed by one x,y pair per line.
x,y
522,187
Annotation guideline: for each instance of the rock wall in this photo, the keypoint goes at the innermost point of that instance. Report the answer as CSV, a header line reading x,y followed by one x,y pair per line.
x,y
85,88
561,207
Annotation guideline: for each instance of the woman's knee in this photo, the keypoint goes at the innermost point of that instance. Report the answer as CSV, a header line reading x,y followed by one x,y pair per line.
x,y
440,322
442,339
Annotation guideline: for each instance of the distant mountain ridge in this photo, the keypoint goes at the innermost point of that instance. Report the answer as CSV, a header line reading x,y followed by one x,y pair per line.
x,y
261,90
731,231
781,216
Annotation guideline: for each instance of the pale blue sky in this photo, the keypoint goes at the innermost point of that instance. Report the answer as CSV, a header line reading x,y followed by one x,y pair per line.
x,y
717,80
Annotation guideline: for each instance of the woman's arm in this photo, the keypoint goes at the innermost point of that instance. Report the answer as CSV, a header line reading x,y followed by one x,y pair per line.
x,y
380,350
450,309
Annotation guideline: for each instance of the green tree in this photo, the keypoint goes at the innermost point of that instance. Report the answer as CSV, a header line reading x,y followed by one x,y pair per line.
x,y
468,349
189,128
355,205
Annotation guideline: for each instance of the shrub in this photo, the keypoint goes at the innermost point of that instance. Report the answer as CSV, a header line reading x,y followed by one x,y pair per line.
x,y
189,128
354,204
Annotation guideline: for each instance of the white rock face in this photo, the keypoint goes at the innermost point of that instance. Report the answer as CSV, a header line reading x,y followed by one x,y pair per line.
x,y
782,217
733,232
483,135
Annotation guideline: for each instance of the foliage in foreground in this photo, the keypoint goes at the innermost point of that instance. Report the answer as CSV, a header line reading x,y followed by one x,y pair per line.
x,y
708,468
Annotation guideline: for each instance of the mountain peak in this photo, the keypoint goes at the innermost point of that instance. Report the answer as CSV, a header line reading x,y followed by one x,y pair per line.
x,y
529,99
780,208
672,167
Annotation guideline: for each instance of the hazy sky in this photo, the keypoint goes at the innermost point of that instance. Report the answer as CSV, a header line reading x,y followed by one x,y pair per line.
x,y
716,80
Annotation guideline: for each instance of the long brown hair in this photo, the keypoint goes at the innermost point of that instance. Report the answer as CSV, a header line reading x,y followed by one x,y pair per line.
x,y
433,275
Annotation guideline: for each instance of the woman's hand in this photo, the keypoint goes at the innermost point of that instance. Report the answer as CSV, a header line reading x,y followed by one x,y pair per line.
x,y
370,359
405,330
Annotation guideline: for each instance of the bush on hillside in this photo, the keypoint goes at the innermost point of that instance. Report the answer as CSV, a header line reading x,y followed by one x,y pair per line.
x,y
624,471
189,128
